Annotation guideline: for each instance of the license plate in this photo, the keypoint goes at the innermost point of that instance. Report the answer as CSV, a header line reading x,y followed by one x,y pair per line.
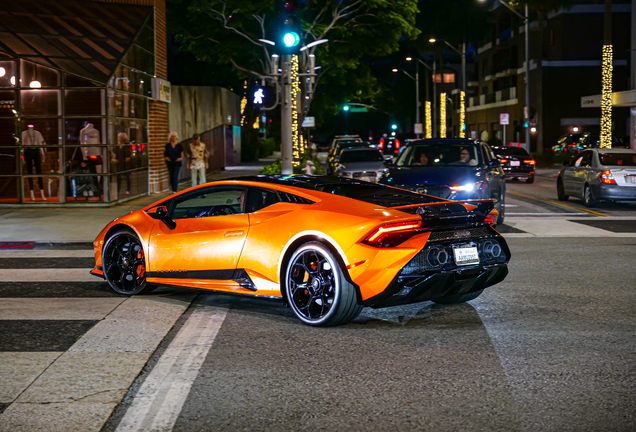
x,y
368,179
515,163
630,179
466,255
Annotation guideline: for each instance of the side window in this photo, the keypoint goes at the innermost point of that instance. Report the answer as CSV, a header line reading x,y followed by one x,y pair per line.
x,y
209,203
489,153
586,160
258,199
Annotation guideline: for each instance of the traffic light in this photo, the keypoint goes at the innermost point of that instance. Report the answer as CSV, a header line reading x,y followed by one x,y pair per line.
x,y
394,126
289,36
345,108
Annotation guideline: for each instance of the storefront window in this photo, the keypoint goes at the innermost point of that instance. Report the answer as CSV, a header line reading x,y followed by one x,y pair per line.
x,y
85,131
84,102
40,102
95,156
36,76
9,158
43,189
8,103
9,190
71,80
41,132
8,133
7,74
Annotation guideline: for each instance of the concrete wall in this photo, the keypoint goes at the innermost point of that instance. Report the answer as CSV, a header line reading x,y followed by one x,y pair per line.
x,y
199,109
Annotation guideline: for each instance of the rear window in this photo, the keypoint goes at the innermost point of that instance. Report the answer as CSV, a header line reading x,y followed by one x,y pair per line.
x,y
361,156
619,159
513,151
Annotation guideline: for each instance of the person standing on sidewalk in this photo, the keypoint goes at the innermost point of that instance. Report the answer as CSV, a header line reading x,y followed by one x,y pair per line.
x,y
198,160
174,156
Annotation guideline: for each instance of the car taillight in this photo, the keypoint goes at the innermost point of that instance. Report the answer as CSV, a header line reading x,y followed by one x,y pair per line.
x,y
503,160
530,161
392,234
490,219
381,143
607,177
397,144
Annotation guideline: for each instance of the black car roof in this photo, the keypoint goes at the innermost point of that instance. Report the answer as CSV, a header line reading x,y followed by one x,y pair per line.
x,y
464,141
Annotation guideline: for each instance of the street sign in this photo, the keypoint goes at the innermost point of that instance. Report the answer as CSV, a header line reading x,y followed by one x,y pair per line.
x,y
358,109
418,129
504,118
259,95
309,122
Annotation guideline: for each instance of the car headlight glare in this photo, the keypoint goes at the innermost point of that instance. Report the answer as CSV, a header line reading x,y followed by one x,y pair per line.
x,y
463,188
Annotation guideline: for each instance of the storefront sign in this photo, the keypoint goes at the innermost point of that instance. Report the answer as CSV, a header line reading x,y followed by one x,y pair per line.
x,y
161,90
309,122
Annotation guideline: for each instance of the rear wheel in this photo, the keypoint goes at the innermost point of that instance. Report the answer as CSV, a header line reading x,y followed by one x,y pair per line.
x,y
502,207
530,179
461,298
316,287
124,264
588,199
561,191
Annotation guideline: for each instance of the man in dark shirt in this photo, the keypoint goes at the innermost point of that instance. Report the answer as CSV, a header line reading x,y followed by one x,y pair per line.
x,y
174,156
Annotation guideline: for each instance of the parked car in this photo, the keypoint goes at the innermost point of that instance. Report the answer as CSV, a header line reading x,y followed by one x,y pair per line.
x,y
390,146
453,169
516,163
599,175
325,246
359,163
334,153
589,140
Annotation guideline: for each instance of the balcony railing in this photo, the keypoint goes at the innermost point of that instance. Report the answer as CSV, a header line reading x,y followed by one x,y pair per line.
x,y
498,96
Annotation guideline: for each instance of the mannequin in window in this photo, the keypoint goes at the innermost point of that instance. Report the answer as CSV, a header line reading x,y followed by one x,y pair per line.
x,y
90,136
34,154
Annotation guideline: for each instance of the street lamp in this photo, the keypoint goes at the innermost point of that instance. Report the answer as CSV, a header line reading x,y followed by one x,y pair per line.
x,y
417,87
526,19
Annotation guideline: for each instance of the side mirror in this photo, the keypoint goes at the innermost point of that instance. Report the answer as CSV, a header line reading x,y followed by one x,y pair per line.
x,y
158,212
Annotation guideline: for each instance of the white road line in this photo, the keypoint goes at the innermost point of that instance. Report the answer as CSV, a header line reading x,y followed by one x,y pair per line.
x,y
544,214
160,399
47,275
21,253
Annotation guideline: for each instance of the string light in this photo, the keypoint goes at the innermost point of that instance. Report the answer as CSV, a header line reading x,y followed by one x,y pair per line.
x,y
257,123
462,114
429,121
442,115
243,103
606,99
295,91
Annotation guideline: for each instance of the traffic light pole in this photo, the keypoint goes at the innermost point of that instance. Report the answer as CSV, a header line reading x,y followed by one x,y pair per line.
x,y
286,116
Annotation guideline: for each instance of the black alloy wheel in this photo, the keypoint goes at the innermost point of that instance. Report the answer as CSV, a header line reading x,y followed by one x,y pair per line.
x,y
317,289
530,179
561,191
124,264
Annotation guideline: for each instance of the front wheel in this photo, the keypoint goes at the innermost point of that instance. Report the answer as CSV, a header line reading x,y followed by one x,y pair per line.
x,y
461,298
316,287
124,264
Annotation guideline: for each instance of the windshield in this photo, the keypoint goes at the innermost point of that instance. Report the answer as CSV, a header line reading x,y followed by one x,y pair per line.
x,y
439,155
361,156
620,159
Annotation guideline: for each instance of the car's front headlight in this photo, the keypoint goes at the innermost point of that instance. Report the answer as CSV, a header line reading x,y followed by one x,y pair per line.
x,y
469,187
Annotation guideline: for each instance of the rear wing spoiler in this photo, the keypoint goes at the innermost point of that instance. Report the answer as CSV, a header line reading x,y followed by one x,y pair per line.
x,y
454,213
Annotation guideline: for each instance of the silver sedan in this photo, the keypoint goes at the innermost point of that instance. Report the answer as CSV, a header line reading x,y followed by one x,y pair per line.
x,y
599,175
365,164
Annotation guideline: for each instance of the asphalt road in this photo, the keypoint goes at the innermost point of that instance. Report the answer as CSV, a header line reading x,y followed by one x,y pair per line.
x,y
549,349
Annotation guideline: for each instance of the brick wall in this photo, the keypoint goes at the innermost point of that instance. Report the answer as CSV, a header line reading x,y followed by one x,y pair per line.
x,y
157,111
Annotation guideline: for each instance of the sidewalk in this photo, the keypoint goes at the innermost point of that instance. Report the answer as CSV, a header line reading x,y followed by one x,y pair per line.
x,y
83,224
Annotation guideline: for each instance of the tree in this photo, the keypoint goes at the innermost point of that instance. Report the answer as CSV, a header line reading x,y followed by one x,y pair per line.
x,y
228,31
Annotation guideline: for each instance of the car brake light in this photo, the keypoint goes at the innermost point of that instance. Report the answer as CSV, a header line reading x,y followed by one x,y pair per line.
x,y
381,143
490,219
392,234
530,161
607,177
92,157
397,143
503,160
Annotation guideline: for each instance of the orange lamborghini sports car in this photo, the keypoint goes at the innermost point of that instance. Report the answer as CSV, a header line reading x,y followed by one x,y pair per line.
x,y
325,246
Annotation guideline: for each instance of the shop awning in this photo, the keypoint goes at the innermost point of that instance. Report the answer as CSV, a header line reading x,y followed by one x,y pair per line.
x,y
86,38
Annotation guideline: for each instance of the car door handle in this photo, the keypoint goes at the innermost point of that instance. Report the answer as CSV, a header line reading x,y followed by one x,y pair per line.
x,y
236,233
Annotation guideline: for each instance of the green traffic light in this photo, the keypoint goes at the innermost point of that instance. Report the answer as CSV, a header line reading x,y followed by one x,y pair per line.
x,y
291,39
345,108
394,126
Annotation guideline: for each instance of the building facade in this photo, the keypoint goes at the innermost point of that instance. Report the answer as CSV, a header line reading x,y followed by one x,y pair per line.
x,y
565,64
78,121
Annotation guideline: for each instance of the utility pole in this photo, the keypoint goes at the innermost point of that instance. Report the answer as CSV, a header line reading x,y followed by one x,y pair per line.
x,y
527,107
286,116
434,99
606,93
417,96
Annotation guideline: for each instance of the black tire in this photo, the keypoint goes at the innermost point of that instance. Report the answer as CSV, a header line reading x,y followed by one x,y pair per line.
x,y
530,179
317,290
588,198
561,196
124,264
460,298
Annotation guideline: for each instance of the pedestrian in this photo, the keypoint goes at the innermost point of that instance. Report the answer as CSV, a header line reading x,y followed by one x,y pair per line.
x,y
174,156
197,160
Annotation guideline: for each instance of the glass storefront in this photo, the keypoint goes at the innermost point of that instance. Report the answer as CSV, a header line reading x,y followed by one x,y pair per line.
x,y
74,102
